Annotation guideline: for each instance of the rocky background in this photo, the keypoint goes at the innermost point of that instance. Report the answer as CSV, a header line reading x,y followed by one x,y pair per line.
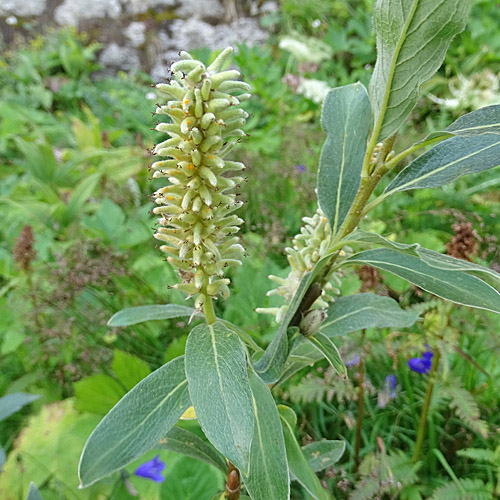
x,y
139,34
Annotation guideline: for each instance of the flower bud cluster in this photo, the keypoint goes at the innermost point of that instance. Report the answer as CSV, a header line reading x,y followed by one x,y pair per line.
x,y
308,248
197,223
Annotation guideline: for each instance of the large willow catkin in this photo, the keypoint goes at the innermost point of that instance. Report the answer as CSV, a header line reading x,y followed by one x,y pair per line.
x,y
197,223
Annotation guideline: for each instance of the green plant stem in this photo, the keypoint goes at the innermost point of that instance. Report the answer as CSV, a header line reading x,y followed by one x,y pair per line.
x,y
208,309
425,408
361,409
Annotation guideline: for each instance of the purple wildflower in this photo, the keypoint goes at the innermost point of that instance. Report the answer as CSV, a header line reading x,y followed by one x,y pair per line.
x,y
388,392
300,168
423,364
152,469
354,361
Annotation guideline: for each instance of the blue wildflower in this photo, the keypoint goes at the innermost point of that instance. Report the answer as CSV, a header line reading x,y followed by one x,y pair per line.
x,y
300,168
152,469
423,364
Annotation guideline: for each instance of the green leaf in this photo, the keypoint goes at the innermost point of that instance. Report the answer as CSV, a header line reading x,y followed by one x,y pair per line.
x,y
297,462
412,39
365,310
434,259
271,364
137,423
349,314
323,454
445,262
134,315
360,236
482,121
11,403
346,118
3,456
129,369
456,286
447,161
79,196
187,443
329,350
97,394
268,475
33,493
216,369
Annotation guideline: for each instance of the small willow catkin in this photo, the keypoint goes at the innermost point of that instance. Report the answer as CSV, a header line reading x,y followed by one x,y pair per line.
x,y
309,246
197,223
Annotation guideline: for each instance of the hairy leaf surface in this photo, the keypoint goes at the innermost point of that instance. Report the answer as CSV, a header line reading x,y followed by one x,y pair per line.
x,y
268,475
137,422
346,118
323,454
412,39
134,315
186,442
456,286
218,384
447,161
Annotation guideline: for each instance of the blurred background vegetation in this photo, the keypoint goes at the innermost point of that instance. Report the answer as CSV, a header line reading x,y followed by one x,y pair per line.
x,y
76,246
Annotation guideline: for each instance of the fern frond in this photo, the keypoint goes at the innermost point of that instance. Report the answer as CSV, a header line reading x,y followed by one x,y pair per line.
x,y
464,489
366,489
462,402
478,454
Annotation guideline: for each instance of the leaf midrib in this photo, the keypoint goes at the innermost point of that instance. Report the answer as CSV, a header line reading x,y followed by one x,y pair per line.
x,y
402,187
113,448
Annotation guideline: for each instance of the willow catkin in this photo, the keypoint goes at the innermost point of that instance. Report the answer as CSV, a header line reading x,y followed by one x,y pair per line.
x,y
197,224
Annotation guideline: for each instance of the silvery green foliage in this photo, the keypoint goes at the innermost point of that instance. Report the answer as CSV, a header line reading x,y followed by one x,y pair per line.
x,y
226,383
197,223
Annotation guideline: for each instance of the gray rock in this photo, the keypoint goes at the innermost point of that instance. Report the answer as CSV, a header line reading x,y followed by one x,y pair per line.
x,y
208,10
194,33
244,30
136,33
140,6
190,34
120,58
22,8
160,72
72,12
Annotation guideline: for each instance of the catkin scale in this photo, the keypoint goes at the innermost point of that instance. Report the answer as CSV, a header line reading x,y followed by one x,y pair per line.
x,y
197,225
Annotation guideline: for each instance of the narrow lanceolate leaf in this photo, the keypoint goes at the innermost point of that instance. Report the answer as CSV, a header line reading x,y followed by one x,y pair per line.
x,y
218,384
445,262
33,493
456,286
482,121
346,118
412,39
268,476
137,422
434,259
11,403
323,454
133,315
183,441
365,310
448,161
329,350
271,364
299,466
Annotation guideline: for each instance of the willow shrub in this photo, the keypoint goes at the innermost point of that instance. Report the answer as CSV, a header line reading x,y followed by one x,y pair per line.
x,y
224,375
